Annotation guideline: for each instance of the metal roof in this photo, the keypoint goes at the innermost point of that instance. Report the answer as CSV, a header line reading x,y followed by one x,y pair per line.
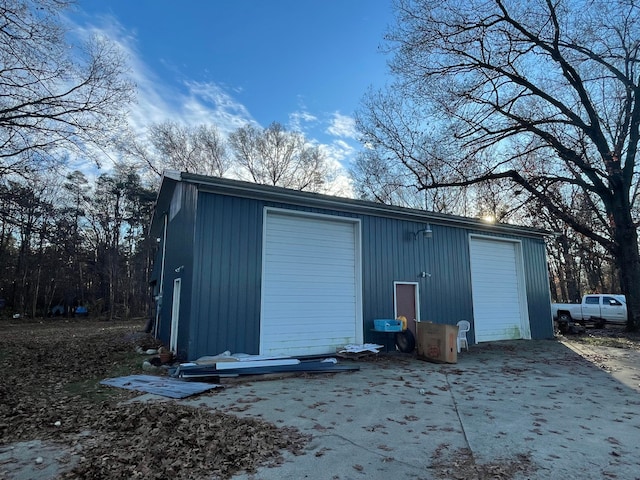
x,y
256,191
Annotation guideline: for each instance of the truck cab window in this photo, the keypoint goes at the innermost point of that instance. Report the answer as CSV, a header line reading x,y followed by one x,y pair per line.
x,y
610,301
592,300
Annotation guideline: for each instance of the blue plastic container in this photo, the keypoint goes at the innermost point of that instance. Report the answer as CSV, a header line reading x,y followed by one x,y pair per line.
x,y
387,325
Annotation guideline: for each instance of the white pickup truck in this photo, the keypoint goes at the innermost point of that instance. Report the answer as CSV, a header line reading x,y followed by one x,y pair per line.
x,y
596,308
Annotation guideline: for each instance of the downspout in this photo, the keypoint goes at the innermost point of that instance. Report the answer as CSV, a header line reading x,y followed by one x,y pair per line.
x,y
161,290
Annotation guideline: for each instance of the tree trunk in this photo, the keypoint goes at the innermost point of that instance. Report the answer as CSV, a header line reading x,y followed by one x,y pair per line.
x,y
36,292
628,260
570,270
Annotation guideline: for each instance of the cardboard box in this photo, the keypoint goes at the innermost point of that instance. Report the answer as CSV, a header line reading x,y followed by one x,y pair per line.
x,y
436,342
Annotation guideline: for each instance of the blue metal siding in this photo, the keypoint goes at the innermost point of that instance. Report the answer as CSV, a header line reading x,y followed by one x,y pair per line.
x,y
179,256
227,269
538,293
392,253
448,290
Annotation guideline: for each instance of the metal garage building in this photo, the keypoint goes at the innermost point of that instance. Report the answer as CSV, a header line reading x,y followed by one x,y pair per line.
x,y
266,270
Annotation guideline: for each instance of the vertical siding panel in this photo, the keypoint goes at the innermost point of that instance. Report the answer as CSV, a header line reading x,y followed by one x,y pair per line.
x,y
538,292
221,292
179,256
398,256
450,280
227,302
202,263
228,270
229,283
248,316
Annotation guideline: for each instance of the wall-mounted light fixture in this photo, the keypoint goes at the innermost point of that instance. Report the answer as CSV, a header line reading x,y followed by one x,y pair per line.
x,y
425,232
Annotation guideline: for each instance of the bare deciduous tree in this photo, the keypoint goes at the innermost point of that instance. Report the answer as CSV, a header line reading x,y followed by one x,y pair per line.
x,y
199,149
385,181
275,156
543,94
55,96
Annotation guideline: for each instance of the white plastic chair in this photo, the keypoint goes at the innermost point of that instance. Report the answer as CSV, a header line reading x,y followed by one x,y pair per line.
x,y
463,328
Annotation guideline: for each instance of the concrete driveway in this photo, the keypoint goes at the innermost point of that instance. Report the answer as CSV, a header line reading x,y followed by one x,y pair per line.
x,y
523,409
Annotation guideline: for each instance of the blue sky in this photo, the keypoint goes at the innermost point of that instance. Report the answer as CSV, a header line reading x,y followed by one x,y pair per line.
x,y
303,63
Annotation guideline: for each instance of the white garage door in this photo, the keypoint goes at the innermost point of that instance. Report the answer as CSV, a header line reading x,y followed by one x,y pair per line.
x,y
499,301
310,284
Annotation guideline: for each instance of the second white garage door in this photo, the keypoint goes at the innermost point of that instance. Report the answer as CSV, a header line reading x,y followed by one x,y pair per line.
x,y
310,284
499,299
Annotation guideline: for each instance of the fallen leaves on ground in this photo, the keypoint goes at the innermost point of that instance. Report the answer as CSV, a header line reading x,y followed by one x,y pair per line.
x,y
611,336
165,440
49,389
461,465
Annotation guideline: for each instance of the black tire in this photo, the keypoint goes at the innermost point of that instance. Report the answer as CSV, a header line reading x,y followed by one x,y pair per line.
x,y
564,318
405,341
563,322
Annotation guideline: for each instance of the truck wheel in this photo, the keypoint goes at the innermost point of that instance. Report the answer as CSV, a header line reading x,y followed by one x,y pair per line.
x,y
564,320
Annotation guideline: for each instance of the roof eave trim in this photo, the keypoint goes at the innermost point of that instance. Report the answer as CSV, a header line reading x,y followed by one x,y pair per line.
x,y
266,192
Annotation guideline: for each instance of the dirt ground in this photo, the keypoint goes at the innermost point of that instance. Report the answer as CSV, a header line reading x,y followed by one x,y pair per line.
x,y
50,396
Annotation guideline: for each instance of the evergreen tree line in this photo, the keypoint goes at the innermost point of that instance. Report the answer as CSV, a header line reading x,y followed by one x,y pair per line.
x,y
75,242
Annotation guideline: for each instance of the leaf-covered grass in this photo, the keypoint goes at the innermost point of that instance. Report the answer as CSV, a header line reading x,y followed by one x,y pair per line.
x,y
611,336
50,390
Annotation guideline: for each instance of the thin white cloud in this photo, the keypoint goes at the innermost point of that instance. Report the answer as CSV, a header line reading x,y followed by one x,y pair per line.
x,y
208,102
342,126
186,101
191,103
338,150
150,105
300,120
339,154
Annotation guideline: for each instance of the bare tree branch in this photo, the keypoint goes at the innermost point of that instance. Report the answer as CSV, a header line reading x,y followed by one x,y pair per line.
x,y
275,156
535,93
55,97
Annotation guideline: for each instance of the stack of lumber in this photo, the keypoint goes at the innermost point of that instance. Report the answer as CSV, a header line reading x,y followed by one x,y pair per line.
x,y
227,365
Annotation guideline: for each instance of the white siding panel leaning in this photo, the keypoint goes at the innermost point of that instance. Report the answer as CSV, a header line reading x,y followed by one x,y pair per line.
x,y
309,297
499,301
